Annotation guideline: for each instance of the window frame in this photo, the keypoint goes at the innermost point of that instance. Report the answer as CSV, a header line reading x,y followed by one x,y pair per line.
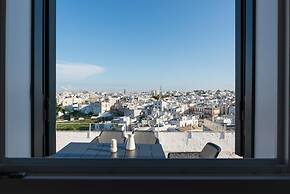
x,y
245,77
283,147
197,167
37,82
2,76
43,76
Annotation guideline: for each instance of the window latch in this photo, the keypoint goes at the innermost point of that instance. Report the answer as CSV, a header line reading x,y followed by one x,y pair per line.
x,y
13,175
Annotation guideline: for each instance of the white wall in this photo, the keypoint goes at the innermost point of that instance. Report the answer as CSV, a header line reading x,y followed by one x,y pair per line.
x,y
195,141
63,138
18,62
170,141
266,79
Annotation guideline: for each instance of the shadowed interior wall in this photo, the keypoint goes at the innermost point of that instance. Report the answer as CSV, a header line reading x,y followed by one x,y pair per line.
x,y
266,79
18,67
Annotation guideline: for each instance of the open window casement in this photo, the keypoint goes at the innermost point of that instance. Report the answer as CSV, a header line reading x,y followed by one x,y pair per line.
x,y
28,80
245,78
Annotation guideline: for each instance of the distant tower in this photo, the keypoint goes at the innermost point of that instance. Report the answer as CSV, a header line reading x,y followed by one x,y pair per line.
x,y
160,92
124,91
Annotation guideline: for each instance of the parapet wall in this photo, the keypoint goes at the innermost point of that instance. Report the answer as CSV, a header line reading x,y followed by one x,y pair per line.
x,y
170,141
195,141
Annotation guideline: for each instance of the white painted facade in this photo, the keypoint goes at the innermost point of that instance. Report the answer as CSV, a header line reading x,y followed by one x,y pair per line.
x,y
188,121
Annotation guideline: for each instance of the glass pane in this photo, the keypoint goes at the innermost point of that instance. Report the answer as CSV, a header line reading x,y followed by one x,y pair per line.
x,y
157,76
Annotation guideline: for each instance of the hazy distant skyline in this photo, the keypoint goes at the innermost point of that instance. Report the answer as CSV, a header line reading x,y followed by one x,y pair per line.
x,y
74,90
138,45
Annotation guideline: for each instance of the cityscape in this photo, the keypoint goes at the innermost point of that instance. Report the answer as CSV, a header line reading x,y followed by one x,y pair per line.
x,y
157,110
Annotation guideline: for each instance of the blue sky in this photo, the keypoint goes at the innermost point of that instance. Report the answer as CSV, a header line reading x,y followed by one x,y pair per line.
x,y
138,45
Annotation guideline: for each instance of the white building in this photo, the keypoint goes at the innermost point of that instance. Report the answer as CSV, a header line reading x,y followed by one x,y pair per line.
x,y
104,106
90,108
188,121
108,127
160,105
227,120
122,120
132,112
232,110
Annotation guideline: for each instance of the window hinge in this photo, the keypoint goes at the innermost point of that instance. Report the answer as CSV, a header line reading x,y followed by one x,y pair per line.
x,y
13,175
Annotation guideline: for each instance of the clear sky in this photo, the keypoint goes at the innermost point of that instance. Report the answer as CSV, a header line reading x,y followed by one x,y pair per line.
x,y
111,45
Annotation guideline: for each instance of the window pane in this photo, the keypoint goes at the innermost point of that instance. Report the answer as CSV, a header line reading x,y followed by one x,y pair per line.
x,y
157,74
